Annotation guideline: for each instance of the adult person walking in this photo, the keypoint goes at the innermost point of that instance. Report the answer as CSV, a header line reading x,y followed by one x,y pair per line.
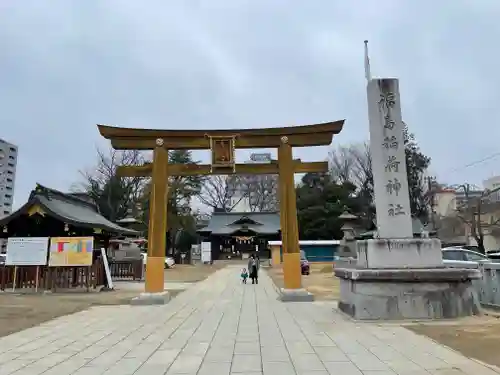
x,y
253,269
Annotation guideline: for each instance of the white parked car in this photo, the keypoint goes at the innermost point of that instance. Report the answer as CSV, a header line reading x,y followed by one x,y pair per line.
x,y
3,257
460,254
495,255
169,261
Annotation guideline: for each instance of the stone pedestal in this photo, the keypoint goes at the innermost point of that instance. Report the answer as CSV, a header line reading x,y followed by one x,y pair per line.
x,y
405,279
147,299
276,254
399,253
295,295
439,293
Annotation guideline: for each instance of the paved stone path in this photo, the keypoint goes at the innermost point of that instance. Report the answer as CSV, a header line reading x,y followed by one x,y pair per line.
x,y
220,327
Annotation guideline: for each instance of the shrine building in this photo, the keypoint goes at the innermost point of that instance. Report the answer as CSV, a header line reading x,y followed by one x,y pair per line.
x,y
51,213
237,235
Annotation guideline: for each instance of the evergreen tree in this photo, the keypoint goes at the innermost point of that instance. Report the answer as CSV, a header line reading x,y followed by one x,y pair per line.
x,y
320,202
416,166
180,192
181,189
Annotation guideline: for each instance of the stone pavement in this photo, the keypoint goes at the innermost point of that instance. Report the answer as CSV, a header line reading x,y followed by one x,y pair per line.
x,y
219,327
139,285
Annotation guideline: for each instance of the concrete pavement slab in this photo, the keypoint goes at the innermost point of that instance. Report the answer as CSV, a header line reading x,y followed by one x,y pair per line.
x,y
220,326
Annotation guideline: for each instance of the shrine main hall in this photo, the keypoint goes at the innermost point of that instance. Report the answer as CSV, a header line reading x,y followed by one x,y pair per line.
x,y
237,235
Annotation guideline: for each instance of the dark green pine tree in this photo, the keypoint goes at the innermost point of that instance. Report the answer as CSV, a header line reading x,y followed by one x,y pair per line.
x,y
320,202
181,190
416,166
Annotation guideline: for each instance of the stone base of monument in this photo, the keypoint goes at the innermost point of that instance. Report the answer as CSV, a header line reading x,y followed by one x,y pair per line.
x,y
295,295
372,294
399,253
405,279
148,299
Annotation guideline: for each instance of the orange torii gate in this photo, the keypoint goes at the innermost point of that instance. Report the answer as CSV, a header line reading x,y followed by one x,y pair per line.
x,y
222,144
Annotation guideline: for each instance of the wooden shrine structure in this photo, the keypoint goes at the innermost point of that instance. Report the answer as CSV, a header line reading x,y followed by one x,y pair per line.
x,y
222,144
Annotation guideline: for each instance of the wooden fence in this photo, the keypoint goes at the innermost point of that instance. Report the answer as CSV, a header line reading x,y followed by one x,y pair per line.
x,y
51,278
57,278
126,269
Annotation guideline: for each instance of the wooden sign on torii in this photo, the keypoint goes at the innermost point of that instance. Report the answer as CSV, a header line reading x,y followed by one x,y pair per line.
x,y
222,144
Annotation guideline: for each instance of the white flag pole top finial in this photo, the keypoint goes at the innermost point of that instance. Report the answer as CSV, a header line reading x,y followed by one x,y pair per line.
x,y
368,73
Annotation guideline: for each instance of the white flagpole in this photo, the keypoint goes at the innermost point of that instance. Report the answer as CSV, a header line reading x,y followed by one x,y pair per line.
x,y
368,73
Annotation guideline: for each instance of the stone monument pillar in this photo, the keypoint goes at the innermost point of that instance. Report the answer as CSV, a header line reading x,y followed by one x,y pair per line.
x,y
398,276
394,246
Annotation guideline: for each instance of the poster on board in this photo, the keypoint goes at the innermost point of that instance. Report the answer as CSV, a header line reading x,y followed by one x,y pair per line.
x,y
206,252
27,251
71,251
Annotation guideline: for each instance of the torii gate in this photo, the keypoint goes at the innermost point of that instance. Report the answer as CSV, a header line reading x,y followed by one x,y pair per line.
x,y
222,143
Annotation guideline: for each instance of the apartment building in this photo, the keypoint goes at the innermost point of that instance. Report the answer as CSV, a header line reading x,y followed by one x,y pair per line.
x,y
8,164
492,184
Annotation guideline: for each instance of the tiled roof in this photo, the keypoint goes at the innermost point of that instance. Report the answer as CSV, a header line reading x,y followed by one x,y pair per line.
x,y
260,222
68,208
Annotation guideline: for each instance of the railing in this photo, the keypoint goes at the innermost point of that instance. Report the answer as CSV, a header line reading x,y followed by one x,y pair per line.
x,y
56,278
126,269
51,278
488,286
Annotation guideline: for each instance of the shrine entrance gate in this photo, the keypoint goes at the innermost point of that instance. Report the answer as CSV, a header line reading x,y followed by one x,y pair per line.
x,y
222,144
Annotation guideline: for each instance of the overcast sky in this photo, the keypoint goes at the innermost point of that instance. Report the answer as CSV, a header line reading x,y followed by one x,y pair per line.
x,y
67,65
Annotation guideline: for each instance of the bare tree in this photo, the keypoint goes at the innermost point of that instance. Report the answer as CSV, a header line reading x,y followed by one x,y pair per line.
x,y
113,195
342,161
363,166
471,210
261,192
352,164
220,192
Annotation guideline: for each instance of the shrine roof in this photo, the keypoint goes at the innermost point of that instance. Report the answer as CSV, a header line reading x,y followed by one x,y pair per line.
x,y
145,139
71,208
225,223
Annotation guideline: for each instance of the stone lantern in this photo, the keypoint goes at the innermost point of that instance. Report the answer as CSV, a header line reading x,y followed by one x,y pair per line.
x,y
349,228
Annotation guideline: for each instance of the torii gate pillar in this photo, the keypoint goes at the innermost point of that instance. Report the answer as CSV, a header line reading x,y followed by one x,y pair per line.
x,y
292,274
